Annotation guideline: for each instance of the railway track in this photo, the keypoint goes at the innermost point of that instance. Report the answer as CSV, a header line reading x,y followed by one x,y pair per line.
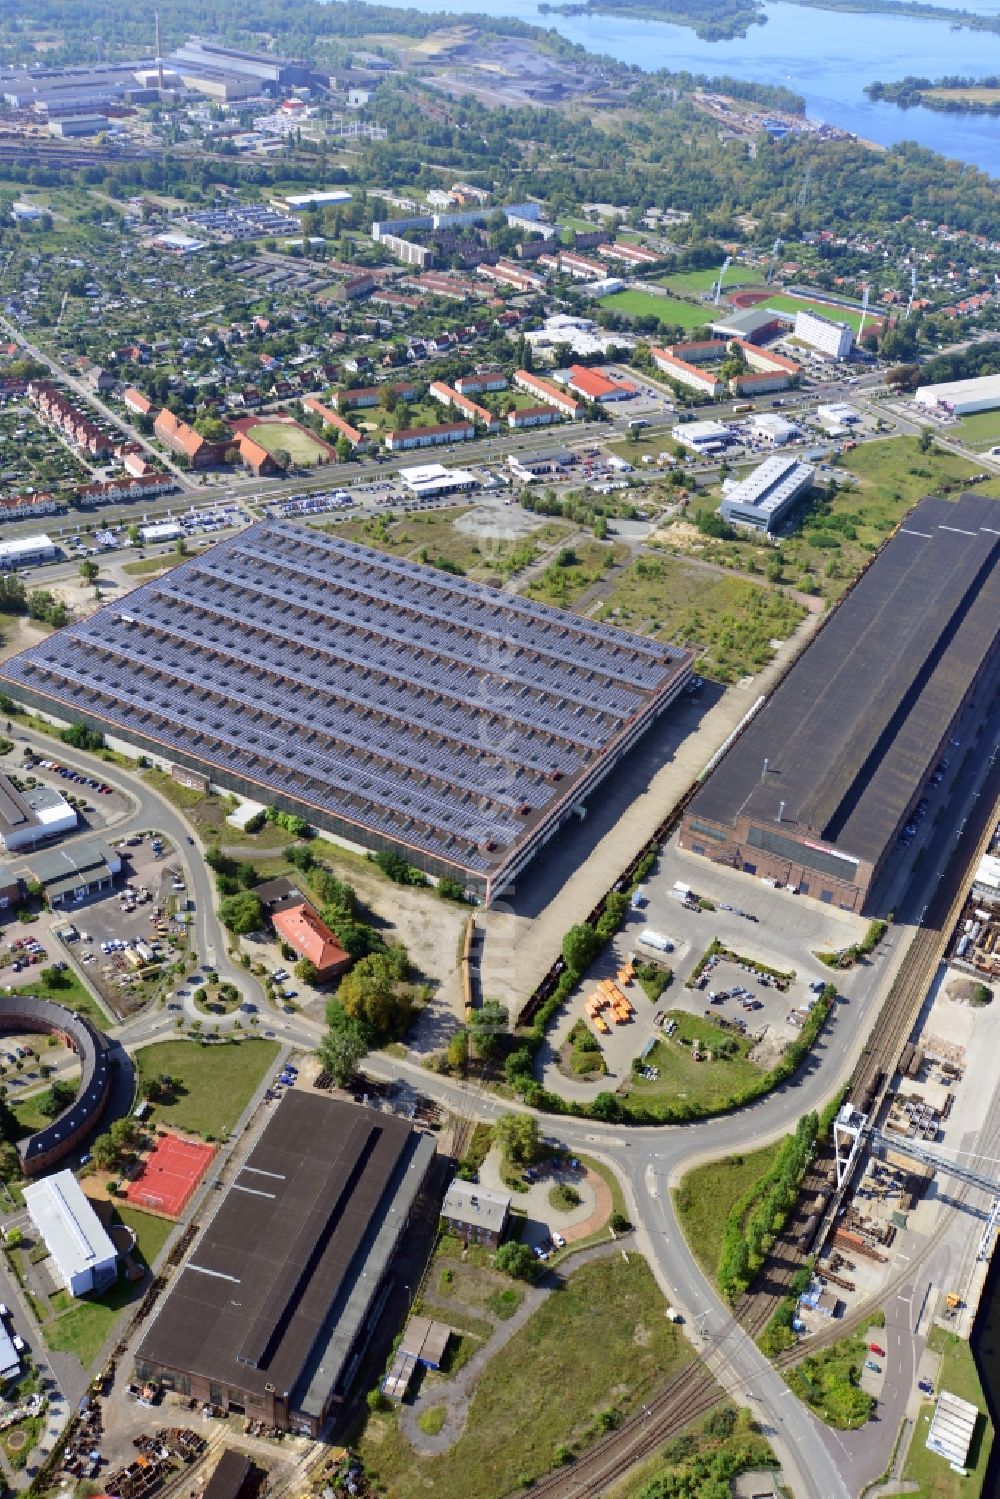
x,y
694,1391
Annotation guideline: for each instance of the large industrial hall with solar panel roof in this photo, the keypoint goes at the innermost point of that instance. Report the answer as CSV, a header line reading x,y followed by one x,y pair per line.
x,y
393,705
819,788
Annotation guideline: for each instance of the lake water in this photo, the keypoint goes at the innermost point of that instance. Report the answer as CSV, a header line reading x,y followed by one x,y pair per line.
x,y
826,56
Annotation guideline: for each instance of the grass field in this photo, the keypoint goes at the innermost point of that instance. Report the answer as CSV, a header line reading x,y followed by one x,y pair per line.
x,y
215,1082
931,1472
802,304
302,448
828,1382
707,1193
147,565
980,430
84,1326
693,283
732,620
708,1084
544,1389
28,1111
668,311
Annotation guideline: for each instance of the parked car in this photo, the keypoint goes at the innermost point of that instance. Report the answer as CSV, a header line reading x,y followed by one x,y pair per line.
x,y
874,1348
875,1368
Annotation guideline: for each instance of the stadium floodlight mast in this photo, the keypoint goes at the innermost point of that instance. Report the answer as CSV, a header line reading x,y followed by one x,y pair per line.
x,y
718,285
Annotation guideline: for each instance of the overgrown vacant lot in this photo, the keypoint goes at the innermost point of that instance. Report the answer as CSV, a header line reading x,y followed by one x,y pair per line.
x,y
707,1193
732,620
545,1389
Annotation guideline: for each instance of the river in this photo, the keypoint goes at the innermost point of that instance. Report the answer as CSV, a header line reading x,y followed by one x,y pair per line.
x,y
826,56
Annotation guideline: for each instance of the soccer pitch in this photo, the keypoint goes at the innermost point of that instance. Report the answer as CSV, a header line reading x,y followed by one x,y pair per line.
x,y
297,443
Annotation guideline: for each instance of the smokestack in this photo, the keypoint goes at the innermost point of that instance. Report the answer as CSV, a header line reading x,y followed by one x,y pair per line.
x,y
159,54
781,811
766,766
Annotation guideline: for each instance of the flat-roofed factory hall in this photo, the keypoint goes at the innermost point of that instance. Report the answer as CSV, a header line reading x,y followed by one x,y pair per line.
x,y
819,789
391,703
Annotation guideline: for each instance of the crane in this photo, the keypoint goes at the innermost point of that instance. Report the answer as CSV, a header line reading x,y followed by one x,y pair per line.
x,y
772,264
718,285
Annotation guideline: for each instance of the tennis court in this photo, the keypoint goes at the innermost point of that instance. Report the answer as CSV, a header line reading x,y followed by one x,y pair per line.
x,y
170,1175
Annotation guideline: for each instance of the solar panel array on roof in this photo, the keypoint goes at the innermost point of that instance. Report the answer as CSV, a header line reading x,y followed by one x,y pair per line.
x,y
845,741
432,711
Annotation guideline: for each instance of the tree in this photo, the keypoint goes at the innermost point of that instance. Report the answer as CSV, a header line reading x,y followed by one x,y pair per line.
x,y
343,1046
374,995
54,978
489,1025
125,1133
13,1238
458,1050
283,459
61,1095
10,1165
580,946
89,570
516,1260
517,1135
242,913
106,1153
306,971
345,451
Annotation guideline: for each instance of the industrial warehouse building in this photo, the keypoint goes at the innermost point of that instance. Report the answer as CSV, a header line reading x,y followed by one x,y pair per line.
x,y
961,397
391,704
815,791
274,1306
29,817
763,499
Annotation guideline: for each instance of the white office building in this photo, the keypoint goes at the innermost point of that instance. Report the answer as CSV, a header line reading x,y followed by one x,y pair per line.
x,y
764,498
961,397
829,335
80,1248
425,480
838,414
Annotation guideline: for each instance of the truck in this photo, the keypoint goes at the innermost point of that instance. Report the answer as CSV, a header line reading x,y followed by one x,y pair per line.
x,y
673,1315
649,938
682,891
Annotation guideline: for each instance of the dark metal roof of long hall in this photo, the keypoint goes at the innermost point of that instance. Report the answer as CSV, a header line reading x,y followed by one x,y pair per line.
x,y
276,1289
848,734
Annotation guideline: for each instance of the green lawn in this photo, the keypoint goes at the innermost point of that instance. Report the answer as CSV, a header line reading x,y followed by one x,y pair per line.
x,y
706,1085
667,310
707,1193
732,620
933,1474
86,1324
215,1082
430,537
302,448
980,430
28,1111
69,992
782,303
693,283
146,565
545,1388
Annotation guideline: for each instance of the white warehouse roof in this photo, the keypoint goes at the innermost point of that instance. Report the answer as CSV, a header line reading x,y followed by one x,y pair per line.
x,y
467,1202
26,546
980,394
773,485
73,1233
695,433
952,1428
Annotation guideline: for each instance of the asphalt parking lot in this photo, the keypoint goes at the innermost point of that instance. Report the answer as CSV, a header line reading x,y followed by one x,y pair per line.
x,y
136,912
